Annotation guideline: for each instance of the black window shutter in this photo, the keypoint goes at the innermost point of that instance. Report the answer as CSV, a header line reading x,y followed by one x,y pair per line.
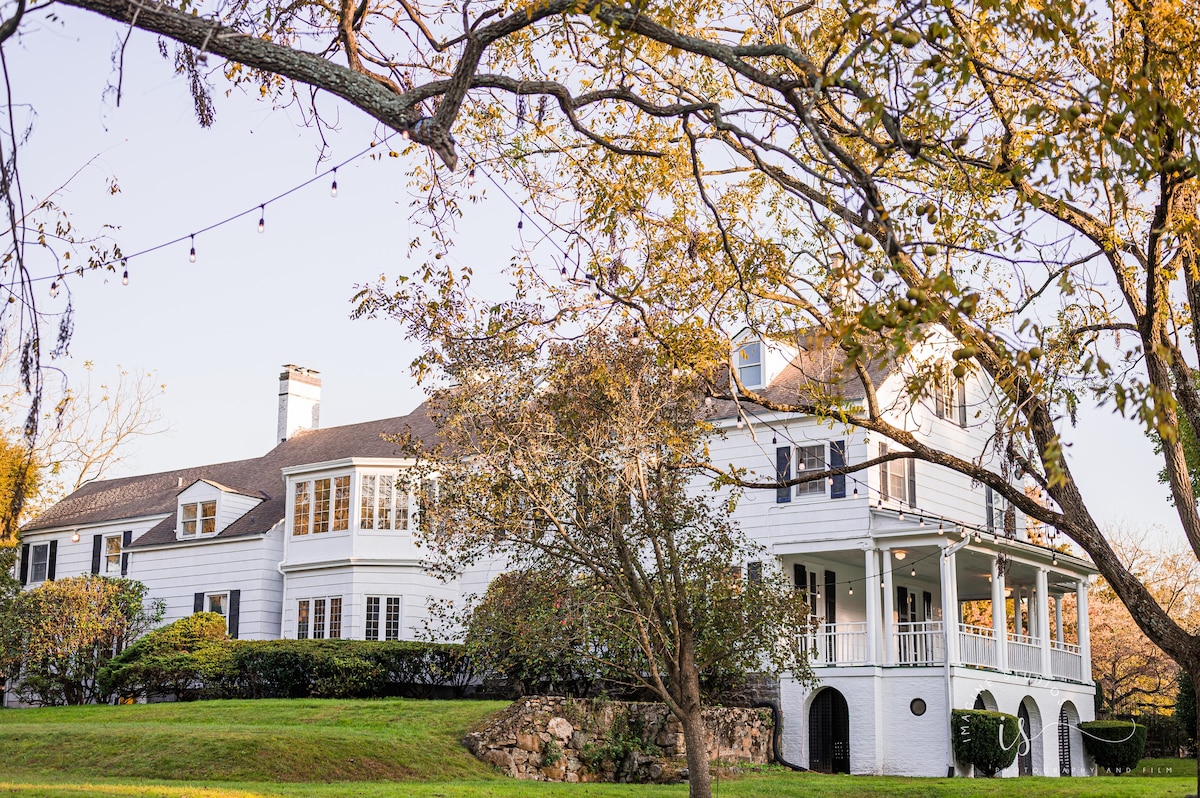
x,y
837,459
235,607
902,604
52,561
911,466
783,472
801,577
830,597
24,564
97,545
126,539
198,603
962,403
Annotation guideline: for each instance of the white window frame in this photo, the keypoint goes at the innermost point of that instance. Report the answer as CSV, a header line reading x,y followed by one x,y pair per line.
x,y
33,562
801,457
904,470
110,559
388,618
222,599
324,518
199,519
393,503
327,609
744,363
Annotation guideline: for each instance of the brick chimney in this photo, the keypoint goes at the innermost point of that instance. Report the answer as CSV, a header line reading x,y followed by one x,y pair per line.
x,y
299,401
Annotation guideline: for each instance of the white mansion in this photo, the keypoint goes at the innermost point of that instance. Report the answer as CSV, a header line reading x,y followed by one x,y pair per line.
x,y
312,540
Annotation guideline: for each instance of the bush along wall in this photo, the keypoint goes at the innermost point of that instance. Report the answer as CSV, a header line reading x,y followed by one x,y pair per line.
x,y
187,660
987,740
1117,745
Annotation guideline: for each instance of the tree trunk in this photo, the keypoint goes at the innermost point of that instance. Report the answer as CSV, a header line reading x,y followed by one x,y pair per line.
x,y
699,776
1194,673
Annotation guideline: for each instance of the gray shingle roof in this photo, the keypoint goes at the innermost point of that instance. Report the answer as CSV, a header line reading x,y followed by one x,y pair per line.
x,y
153,494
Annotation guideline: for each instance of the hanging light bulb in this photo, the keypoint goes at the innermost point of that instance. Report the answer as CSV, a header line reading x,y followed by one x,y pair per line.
x,y
851,590
75,536
521,221
53,288
333,185
675,371
941,529
978,537
471,177
192,251
635,340
856,491
125,277
913,572
900,515
882,584
1054,559
922,522
564,271
740,423
774,440
262,218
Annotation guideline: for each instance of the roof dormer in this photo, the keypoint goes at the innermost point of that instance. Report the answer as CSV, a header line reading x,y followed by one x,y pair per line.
x,y
759,359
205,508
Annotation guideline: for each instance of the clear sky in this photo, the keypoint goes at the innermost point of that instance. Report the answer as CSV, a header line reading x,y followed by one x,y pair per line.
x,y
217,331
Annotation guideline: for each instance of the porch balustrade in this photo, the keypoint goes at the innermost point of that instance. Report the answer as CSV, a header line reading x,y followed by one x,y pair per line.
x,y
924,644
1066,662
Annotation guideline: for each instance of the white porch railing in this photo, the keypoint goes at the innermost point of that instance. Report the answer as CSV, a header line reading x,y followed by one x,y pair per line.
x,y
1024,654
977,645
920,643
838,644
1066,662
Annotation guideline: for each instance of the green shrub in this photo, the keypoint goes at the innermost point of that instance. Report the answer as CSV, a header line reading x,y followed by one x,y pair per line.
x,y
1117,745
188,659
987,740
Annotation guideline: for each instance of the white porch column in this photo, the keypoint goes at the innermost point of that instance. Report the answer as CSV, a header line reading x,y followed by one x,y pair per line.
x,y
871,591
1043,620
1018,616
889,625
999,618
950,605
1058,629
1085,635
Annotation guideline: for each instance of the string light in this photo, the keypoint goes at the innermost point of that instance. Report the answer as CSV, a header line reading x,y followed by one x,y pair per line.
x,y
471,177
192,251
125,277
333,185
856,490
941,529
922,522
851,590
53,290
740,423
262,218
521,221
914,571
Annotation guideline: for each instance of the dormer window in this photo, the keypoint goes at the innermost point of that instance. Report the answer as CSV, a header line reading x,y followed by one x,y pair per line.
x,y
199,518
749,361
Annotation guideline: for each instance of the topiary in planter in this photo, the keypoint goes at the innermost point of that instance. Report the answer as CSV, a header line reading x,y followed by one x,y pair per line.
x,y
987,740
1117,745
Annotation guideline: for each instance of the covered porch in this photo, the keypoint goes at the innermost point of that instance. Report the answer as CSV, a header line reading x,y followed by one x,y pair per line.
x,y
935,599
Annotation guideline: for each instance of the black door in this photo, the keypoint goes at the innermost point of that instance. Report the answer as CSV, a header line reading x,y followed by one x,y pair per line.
x,y
829,733
1064,743
1024,746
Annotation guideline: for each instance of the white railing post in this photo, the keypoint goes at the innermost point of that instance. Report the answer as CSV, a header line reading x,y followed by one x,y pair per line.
x,y
1043,619
999,618
889,623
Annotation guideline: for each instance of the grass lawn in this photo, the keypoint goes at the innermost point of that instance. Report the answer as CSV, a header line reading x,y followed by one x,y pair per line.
x,y
390,749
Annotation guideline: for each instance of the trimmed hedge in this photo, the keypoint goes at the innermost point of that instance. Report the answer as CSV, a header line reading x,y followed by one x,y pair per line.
x,y
987,740
177,662
1117,745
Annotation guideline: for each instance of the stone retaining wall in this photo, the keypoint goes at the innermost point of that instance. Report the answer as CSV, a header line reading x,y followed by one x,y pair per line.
x,y
547,738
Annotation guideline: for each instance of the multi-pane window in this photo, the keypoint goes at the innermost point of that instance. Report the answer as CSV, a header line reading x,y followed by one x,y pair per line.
x,y
302,616
950,398
810,459
381,505
112,554
390,618
321,505
39,562
318,619
749,363
335,618
300,509
371,631
218,603
199,517
897,478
